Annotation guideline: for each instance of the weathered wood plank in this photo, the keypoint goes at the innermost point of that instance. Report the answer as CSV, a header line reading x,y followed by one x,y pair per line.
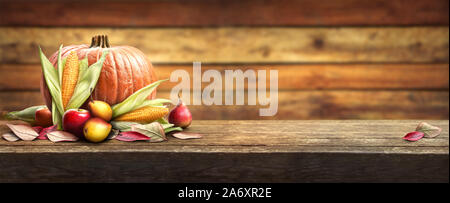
x,y
290,77
225,12
284,134
222,167
243,44
326,104
234,157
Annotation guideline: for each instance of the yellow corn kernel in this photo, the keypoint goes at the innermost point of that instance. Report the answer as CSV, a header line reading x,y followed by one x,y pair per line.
x,y
146,114
69,78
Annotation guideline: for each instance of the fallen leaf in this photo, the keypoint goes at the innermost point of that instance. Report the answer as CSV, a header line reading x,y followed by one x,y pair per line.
x,y
24,132
429,130
113,134
45,131
414,136
38,129
187,135
61,136
130,136
10,137
153,130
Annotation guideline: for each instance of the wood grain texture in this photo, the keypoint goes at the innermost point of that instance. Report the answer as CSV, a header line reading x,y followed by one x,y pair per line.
x,y
290,77
272,151
243,44
225,12
323,104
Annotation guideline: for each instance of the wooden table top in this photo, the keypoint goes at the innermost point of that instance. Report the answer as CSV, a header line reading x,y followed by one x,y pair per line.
x,y
248,151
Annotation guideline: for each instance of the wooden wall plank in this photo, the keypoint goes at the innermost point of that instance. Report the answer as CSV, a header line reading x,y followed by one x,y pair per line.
x,y
243,44
225,12
290,77
332,104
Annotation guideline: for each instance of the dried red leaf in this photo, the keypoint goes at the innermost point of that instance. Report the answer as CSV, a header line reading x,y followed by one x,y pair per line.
x,y
24,132
130,136
187,135
38,129
414,136
10,137
61,136
45,131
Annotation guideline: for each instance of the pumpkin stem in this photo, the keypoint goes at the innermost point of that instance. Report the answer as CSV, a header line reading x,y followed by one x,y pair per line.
x,y
100,41
107,41
92,42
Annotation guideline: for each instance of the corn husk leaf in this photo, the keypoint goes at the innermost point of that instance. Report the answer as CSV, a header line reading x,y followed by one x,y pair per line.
x,y
56,116
52,80
135,100
155,102
26,115
87,82
84,64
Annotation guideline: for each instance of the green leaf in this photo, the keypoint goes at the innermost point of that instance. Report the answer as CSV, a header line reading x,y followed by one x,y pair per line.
x,y
163,121
155,102
168,127
52,80
87,82
168,130
26,115
135,100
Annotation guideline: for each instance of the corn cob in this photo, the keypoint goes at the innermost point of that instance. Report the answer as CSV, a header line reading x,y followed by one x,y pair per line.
x,y
146,114
69,78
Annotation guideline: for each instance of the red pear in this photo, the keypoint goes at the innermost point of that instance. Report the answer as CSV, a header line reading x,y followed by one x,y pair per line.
x,y
180,116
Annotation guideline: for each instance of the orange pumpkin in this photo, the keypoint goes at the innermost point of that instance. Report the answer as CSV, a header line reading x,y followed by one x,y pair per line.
x,y
125,70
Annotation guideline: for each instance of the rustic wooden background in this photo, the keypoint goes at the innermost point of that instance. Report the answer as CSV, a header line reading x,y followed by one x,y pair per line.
x,y
342,59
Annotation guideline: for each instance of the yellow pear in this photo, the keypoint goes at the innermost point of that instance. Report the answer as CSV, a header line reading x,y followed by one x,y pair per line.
x,y
96,130
100,109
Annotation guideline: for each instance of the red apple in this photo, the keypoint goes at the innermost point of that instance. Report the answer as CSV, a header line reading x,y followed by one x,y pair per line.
x,y
74,120
180,116
43,118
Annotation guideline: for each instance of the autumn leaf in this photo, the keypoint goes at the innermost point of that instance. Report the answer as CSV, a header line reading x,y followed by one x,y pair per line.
x,y
45,131
10,137
130,136
414,136
429,130
187,135
24,132
61,136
